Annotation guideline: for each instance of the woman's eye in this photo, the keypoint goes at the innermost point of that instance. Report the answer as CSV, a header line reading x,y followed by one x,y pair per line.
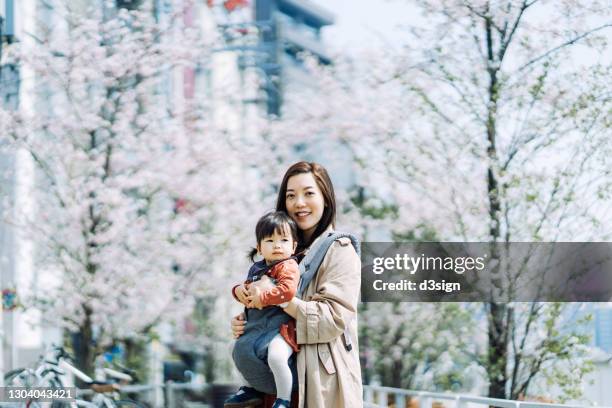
x,y
290,196
310,193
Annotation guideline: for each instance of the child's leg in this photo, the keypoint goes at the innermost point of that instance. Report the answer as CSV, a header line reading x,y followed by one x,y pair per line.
x,y
278,360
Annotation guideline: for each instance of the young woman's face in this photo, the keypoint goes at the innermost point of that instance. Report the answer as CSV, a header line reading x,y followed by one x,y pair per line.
x,y
305,202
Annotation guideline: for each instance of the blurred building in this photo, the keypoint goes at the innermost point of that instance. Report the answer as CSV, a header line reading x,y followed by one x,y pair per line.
x,y
288,28
22,333
603,328
9,94
596,385
600,326
9,73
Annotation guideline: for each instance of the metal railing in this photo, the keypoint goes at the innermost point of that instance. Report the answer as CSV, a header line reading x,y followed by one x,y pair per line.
x,y
156,395
166,395
378,397
175,394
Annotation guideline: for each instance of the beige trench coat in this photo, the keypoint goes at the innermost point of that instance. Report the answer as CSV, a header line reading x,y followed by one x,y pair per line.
x,y
329,376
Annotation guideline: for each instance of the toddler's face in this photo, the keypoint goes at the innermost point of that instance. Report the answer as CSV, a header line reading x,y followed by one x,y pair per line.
x,y
277,246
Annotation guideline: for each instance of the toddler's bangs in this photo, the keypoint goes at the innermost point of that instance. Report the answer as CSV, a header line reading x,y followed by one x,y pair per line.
x,y
278,222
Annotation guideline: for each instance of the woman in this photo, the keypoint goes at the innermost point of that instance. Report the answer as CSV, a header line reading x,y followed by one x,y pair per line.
x,y
329,374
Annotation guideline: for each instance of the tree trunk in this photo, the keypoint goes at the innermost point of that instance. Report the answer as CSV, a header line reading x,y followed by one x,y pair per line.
x,y
364,347
497,359
82,345
137,358
396,370
209,364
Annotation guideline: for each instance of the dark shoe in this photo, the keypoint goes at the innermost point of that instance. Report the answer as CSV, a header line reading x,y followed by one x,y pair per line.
x,y
281,403
249,397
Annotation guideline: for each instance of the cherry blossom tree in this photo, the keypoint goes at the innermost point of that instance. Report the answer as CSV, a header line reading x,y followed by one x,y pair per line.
x,y
143,190
490,124
503,71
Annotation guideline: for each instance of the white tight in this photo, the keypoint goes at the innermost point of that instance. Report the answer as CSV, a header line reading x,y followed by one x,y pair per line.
x,y
278,360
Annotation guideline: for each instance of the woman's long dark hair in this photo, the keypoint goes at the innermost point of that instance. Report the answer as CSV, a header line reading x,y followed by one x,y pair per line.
x,y
329,197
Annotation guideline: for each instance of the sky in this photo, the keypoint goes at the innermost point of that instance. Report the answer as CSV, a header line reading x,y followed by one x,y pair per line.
x,y
363,23
377,23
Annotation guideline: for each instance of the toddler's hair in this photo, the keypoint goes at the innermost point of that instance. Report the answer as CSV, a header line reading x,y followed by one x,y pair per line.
x,y
274,221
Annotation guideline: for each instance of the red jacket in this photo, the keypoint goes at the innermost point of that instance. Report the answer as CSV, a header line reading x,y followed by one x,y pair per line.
x,y
287,276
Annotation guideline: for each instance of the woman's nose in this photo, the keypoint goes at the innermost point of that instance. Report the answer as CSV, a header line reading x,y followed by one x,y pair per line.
x,y
299,201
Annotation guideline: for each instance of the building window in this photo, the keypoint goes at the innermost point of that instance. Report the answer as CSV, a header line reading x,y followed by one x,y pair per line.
x,y
9,86
129,4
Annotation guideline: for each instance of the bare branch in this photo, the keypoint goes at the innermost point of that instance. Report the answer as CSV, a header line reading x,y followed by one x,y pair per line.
x,y
506,41
563,45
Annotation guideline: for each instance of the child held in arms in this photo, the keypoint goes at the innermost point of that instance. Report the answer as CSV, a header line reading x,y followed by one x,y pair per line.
x,y
271,283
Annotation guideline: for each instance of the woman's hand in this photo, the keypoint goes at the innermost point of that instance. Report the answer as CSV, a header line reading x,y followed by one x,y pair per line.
x,y
238,323
291,308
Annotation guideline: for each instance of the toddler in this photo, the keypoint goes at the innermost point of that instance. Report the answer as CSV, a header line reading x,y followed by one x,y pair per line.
x,y
270,283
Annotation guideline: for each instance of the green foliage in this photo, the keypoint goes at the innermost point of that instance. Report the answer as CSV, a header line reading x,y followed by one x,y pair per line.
x,y
417,345
421,233
370,207
566,348
210,340
137,357
550,351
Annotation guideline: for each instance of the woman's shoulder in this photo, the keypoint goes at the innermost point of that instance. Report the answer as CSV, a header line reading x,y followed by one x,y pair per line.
x,y
345,239
343,245
342,242
341,259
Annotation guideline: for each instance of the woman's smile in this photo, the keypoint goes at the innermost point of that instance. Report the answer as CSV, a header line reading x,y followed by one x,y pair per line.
x,y
301,218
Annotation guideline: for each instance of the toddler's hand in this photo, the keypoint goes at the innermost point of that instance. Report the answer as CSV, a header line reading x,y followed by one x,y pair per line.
x,y
242,293
265,283
254,297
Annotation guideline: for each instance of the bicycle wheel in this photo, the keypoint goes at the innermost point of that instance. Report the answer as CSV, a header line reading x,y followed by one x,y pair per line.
x,y
20,377
55,383
12,373
129,404
84,404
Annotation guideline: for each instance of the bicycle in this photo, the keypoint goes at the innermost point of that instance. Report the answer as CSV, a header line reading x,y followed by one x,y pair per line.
x,y
50,371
